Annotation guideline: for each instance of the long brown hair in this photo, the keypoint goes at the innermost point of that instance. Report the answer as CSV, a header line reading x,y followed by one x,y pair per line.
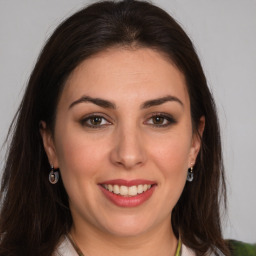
x,y
34,213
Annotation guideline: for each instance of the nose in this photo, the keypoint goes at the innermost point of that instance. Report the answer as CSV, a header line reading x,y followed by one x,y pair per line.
x,y
129,149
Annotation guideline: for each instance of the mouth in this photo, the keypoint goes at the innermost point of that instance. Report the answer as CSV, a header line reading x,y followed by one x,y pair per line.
x,y
128,193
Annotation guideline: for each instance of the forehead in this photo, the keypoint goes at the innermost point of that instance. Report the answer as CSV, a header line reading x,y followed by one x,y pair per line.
x,y
126,74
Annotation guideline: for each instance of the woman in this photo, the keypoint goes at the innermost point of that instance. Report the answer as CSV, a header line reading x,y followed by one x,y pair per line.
x,y
115,147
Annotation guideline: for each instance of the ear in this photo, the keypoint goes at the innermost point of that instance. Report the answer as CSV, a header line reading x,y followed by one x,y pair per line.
x,y
49,146
196,142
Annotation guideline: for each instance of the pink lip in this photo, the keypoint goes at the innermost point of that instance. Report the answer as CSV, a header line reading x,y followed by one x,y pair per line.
x,y
128,183
125,201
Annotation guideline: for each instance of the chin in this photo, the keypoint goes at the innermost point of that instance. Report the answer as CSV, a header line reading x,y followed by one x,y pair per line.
x,y
126,231
128,226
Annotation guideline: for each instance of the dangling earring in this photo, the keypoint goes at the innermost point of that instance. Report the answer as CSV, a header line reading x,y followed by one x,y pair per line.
x,y
53,176
190,175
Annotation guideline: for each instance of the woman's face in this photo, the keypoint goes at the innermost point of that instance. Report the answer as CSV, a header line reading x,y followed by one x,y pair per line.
x,y
123,123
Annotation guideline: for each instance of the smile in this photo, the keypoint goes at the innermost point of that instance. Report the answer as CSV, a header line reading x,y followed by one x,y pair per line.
x,y
127,191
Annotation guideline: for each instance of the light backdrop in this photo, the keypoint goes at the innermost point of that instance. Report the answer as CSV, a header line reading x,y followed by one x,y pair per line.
x,y
224,34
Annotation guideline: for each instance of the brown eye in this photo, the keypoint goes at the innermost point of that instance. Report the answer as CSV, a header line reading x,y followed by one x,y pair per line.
x,y
95,120
161,120
158,120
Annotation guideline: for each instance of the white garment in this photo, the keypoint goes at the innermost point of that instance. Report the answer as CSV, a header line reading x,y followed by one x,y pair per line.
x,y
65,248
186,251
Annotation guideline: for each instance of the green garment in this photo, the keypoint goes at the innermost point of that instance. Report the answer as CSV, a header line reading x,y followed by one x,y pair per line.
x,y
242,249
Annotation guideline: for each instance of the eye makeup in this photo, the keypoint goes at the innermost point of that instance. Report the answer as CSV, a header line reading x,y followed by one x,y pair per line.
x,y
95,121
160,120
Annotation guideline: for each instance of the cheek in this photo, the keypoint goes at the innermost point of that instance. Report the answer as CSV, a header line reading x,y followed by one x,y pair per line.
x,y
172,154
79,156
80,163
172,161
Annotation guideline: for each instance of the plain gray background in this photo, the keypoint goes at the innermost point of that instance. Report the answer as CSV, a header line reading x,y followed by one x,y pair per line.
x,y
224,34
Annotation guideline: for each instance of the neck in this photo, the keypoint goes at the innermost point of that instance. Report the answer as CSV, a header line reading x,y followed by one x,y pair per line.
x,y
155,242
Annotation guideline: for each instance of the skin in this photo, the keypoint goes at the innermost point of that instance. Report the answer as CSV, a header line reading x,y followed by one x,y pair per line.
x,y
128,143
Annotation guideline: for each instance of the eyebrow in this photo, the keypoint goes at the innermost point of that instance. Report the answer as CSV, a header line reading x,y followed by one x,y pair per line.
x,y
159,101
97,101
107,104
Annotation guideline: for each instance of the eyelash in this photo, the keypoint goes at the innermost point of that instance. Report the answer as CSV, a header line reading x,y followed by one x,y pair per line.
x,y
166,118
84,121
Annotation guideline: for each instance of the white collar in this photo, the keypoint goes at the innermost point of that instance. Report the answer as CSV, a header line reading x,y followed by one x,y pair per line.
x,y
65,248
186,251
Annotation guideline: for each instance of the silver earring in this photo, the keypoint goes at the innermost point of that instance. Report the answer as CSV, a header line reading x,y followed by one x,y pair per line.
x,y
53,176
190,175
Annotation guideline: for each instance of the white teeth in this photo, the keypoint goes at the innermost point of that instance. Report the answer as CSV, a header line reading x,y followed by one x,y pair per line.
x,y
109,187
123,190
140,189
133,191
116,189
127,191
